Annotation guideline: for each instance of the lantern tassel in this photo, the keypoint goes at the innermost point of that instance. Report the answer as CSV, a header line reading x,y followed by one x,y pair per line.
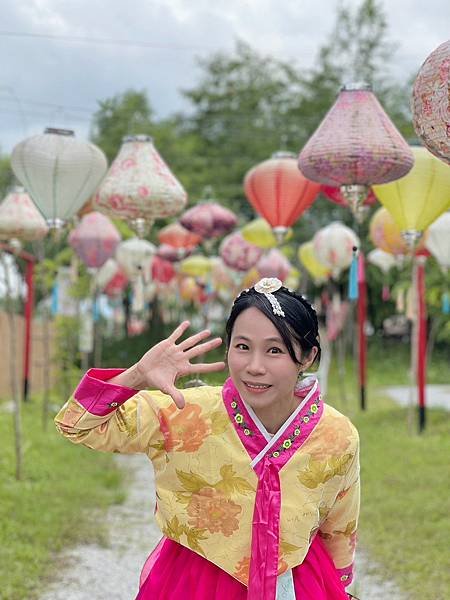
x,y
385,294
446,303
353,278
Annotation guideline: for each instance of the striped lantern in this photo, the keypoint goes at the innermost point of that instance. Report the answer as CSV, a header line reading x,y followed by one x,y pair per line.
x,y
209,220
139,186
238,254
94,239
19,217
59,172
279,192
431,102
355,146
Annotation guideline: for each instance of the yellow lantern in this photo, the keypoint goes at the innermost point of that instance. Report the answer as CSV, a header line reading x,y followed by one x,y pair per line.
x,y
195,266
259,233
385,234
189,290
418,198
316,269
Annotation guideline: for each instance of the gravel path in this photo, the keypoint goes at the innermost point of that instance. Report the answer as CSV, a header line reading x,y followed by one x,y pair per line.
x,y
92,572
436,396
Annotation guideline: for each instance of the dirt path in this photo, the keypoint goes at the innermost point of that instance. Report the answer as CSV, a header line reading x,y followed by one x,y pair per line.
x,y
92,572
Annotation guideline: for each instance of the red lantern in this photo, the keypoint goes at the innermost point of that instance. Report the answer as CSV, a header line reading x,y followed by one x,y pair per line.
x,y
279,192
162,270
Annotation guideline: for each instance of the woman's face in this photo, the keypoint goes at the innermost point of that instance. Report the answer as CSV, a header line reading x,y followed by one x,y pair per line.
x,y
259,362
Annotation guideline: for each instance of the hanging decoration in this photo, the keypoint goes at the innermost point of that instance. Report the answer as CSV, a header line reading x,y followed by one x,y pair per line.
x,y
318,271
416,200
110,278
139,186
279,192
238,254
178,237
274,264
355,146
438,243
195,266
431,102
19,217
259,233
162,270
360,212
333,246
59,172
94,239
384,261
135,257
172,254
209,220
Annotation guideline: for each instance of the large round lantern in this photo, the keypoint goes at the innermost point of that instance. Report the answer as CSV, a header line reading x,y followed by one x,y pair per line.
x,y
416,200
306,255
274,264
177,236
139,186
19,217
279,192
431,102
238,254
355,146
94,239
333,246
59,172
135,257
209,220
259,233
385,234
438,240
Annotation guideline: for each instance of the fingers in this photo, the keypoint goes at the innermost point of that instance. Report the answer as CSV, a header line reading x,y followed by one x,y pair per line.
x,y
202,348
178,332
194,339
176,396
208,367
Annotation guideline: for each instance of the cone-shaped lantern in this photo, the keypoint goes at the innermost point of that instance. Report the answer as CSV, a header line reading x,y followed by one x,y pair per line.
x,y
19,217
59,172
416,200
238,254
209,220
94,239
139,186
279,192
431,102
355,146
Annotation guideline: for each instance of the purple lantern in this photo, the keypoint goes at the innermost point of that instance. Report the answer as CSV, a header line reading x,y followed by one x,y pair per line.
x,y
94,239
209,220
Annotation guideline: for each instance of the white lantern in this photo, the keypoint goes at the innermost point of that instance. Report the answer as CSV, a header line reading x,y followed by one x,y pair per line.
x,y
438,240
139,186
333,246
20,218
381,259
135,257
59,172
106,273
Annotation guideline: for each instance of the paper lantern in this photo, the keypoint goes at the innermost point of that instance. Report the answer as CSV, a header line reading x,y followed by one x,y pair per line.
x,y
59,172
209,220
416,200
333,246
116,285
355,146
385,234
431,102
162,270
309,260
238,254
106,272
172,254
381,259
360,210
135,257
273,264
189,290
196,266
19,217
279,192
221,276
139,186
438,240
177,236
259,233
94,239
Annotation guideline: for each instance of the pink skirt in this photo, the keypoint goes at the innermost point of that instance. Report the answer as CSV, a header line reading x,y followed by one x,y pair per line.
x,y
173,572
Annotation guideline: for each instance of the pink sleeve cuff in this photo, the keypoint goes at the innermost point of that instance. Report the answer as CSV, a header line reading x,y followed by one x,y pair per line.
x,y
99,397
346,575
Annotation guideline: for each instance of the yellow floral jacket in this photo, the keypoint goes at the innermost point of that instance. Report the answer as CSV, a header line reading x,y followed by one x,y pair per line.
x,y
206,459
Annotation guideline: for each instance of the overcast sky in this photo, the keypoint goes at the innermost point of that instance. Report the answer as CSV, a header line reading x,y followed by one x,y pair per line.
x,y
48,81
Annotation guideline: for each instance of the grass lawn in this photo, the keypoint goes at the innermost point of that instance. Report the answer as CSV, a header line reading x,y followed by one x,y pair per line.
x,y
51,507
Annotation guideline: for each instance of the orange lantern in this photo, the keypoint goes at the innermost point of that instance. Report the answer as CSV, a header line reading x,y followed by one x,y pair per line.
x,y
177,236
279,192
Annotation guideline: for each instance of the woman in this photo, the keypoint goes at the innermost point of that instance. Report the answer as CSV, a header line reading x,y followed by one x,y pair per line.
x,y
257,482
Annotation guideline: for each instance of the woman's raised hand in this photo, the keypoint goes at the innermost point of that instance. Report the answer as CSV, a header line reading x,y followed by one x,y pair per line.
x,y
163,364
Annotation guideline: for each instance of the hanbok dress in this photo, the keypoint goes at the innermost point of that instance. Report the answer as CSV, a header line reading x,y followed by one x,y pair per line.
x,y
244,514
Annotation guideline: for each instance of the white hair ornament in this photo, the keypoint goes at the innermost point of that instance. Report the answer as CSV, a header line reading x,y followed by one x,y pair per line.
x,y
267,286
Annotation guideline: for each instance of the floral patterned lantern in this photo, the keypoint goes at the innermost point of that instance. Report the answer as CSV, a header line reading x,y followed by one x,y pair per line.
x,y
209,220
306,255
259,233
94,239
417,199
177,236
333,246
274,264
59,172
438,240
279,192
431,102
19,217
355,146
238,254
139,186
135,257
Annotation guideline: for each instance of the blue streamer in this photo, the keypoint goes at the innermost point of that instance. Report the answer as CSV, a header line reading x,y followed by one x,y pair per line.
x,y
54,305
353,279
446,303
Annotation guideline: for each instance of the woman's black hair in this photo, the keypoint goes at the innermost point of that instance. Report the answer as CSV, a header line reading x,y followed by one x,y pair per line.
x,y
298,325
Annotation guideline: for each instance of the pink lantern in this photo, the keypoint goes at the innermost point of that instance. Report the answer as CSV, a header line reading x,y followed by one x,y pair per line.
x,y
177,236
139,186
209,220
239,254
355,146
279,192
333,246
173,254
20,218
431,102
116,285
273,264
94,239
162,270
